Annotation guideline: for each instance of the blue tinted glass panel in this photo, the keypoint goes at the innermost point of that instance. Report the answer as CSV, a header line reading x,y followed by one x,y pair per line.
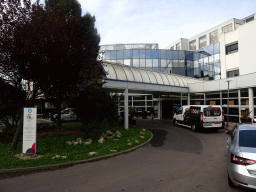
x,y
143,54
155,68
136,62
127,54
216,57
148,54
190,56
155,62
163,54
210,50
107,55
169,54
175,55
120,54
181,54
216,48
136,54
142,63
196,56
113,55
155,54
149,62
163,63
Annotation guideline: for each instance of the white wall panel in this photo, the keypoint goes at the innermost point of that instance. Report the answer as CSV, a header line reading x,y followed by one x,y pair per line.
x,y
196,87
211,85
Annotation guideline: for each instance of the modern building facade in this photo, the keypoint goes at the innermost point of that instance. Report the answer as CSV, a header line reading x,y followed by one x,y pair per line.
x,y
220,54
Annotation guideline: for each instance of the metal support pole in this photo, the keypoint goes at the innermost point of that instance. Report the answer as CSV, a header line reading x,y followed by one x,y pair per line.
x,y
228,104
126,123
251,103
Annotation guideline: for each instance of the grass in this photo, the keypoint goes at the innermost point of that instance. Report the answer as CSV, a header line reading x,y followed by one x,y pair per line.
x,y
56,145
1,122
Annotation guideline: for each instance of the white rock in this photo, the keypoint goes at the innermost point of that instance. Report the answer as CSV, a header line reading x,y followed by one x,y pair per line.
x,y
142,133
108,132
87,143
101,140
118,136
57,156
78,139
53,157
80,142
115,139
93,153
118,133
137,141
69,142
75,143
113,150
143,129
128,140
129,144
142,137
63,157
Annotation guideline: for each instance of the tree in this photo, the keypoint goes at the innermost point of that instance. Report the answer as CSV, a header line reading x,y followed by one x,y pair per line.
x,y
49,48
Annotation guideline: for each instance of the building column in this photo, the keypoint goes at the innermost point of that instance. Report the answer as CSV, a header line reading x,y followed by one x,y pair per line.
x,y
188,99
221,98
126,121
159,112
251,102
239,104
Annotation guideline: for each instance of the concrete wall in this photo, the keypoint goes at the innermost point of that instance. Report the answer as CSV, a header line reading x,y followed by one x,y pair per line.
x,y
247,48
238,82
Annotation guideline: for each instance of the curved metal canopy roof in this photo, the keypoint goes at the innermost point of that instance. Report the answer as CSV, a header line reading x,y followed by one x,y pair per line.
x,y
120,72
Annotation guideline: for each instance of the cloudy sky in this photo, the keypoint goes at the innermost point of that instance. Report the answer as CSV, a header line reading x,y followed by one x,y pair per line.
x,y
161,21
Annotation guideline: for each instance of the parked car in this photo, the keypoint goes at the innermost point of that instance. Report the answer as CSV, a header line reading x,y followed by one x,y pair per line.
x,y
67,115
241,156
199,117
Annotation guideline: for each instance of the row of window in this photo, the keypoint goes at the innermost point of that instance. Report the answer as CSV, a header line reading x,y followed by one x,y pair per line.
x,y
213,38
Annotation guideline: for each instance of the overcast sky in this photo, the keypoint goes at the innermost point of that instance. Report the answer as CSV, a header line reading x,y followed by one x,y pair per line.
x,y
161,21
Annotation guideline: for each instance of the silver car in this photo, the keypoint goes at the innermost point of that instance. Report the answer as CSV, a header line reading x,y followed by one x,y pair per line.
x,y
241,156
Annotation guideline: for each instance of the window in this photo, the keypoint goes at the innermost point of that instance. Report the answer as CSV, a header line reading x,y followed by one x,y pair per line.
x,y
202,42
249,19
172,48
232,48
178,46
214,38
233,73
192,45
227,28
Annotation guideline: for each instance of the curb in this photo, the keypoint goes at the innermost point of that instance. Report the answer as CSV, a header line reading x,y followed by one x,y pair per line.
x,y
62,165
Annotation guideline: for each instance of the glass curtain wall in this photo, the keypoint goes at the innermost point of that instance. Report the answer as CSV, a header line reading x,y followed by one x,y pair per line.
x,y
203,63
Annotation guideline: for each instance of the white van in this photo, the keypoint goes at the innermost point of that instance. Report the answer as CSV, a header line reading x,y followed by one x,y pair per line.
x,y
199,116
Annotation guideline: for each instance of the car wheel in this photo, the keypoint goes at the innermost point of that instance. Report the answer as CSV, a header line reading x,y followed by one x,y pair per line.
x,y
193,127
230,183
175,122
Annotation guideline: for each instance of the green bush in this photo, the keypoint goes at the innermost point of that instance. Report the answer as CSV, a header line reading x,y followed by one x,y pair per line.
x,y
96,105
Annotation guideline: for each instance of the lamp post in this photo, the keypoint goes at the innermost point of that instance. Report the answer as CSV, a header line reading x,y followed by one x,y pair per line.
x,y
228,104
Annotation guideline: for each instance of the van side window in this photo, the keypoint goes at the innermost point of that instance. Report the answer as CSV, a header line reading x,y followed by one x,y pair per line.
x,y
179,111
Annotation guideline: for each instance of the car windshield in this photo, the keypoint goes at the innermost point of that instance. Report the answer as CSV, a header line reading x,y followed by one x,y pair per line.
x,y
247,138
212,111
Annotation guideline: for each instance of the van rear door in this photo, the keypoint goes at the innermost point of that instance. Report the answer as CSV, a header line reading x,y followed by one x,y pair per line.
x,y
212,116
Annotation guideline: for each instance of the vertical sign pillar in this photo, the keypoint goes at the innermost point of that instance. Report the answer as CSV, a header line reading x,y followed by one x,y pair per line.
x,y
29,130
126,123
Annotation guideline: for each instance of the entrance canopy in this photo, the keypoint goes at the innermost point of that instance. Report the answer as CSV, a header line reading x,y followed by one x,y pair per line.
x,y
122,77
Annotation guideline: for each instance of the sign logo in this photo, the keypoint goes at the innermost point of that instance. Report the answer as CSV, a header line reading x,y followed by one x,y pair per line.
x,y
30,110
29,117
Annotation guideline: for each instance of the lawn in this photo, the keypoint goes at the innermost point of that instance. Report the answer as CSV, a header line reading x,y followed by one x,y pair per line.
x,y
51,146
